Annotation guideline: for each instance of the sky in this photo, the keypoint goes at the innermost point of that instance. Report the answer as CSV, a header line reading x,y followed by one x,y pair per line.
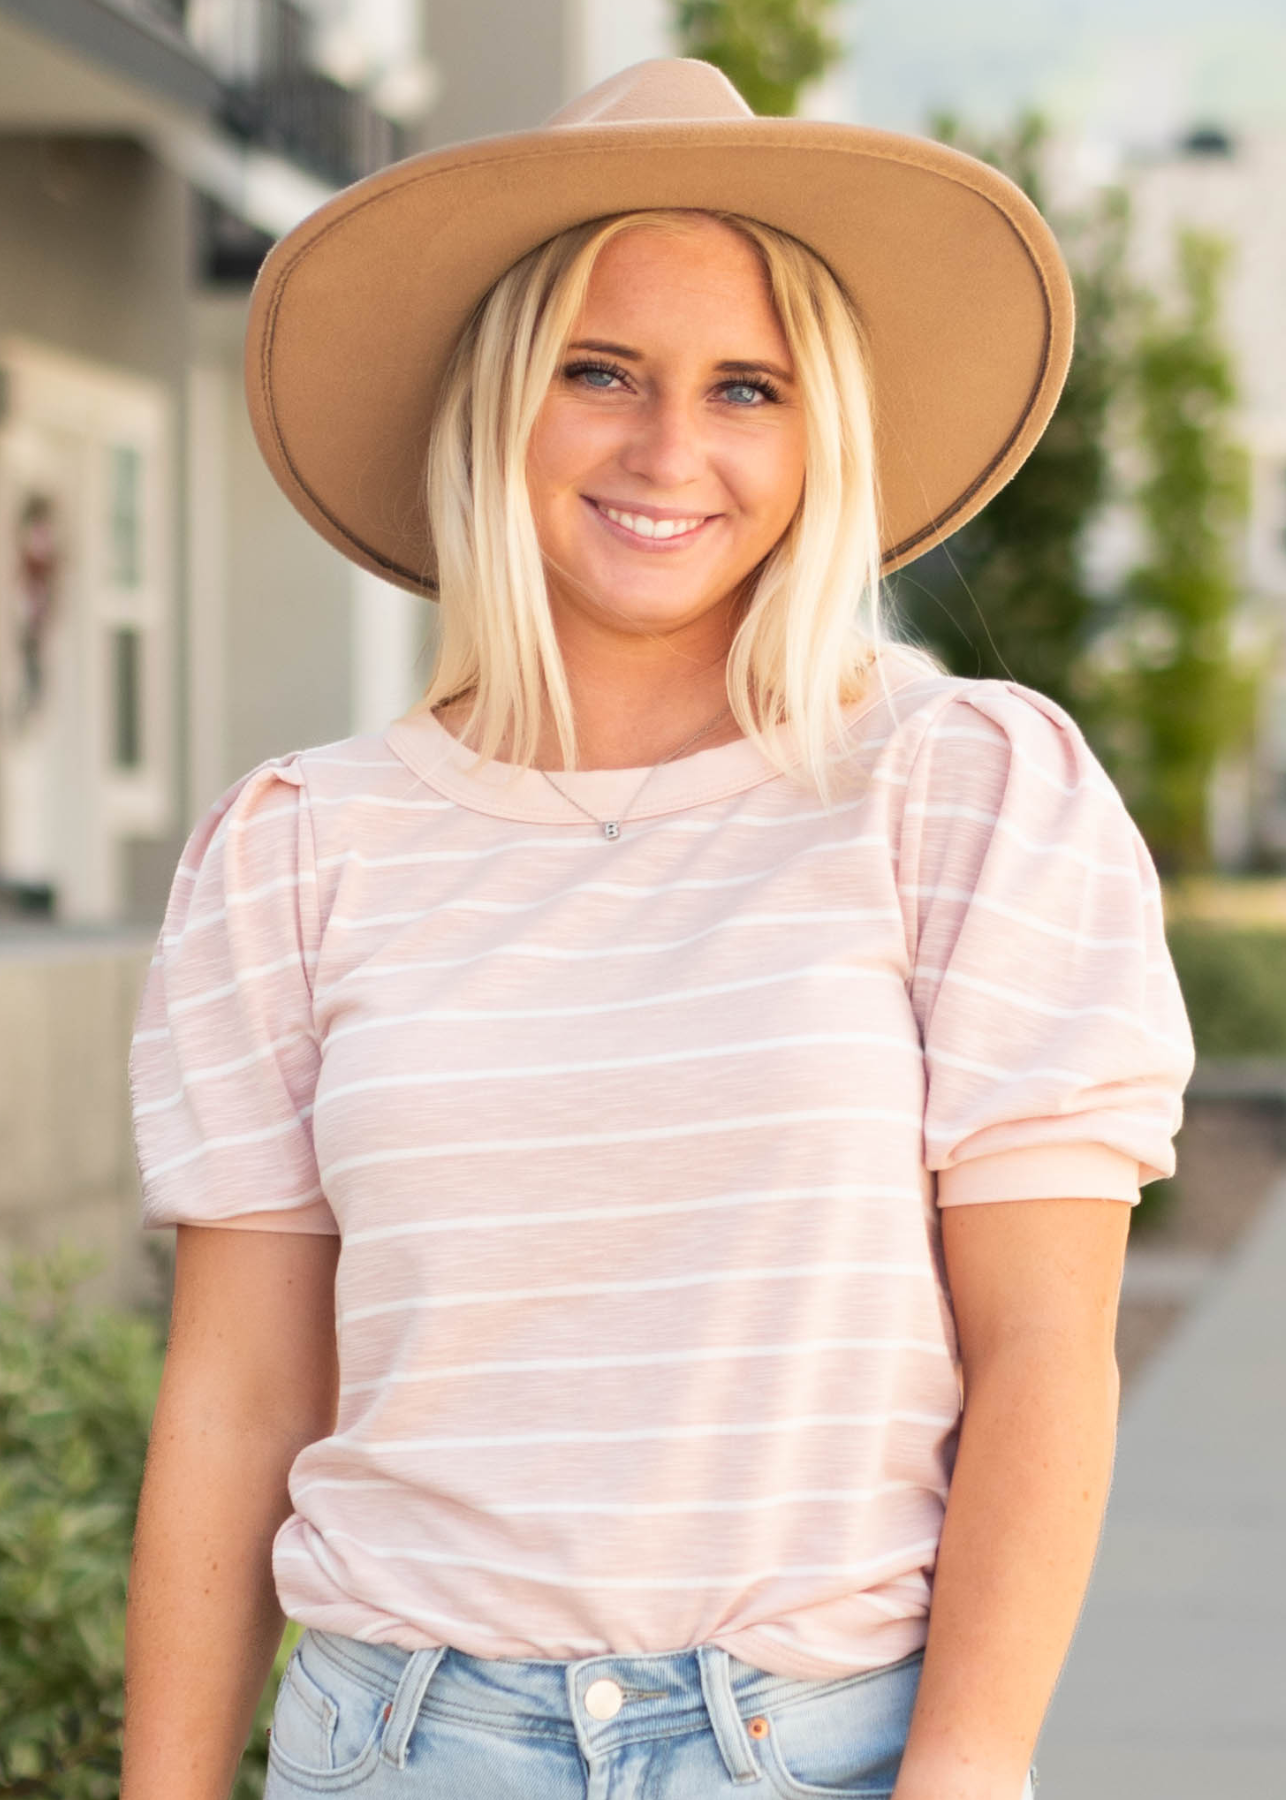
x,y
1136,72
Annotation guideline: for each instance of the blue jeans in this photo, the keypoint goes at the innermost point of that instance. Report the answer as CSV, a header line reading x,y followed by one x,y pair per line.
x,y
388,1724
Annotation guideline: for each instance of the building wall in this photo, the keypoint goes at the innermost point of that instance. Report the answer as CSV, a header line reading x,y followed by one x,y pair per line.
x,y
68,1175
97,252
504,65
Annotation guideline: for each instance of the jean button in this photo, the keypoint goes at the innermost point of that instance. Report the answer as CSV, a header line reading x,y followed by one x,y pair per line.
x,y
603,1699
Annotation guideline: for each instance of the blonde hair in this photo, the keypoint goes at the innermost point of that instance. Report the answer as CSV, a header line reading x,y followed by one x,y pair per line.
x,y
811,630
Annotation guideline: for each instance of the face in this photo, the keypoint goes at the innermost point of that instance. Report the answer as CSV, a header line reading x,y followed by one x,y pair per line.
x,y
668,455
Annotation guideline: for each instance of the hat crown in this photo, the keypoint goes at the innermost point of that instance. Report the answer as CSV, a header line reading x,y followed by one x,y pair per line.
x,y
664,89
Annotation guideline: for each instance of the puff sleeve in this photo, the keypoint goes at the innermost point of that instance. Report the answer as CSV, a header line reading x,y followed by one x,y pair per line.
x,y
1056,1043
224,1058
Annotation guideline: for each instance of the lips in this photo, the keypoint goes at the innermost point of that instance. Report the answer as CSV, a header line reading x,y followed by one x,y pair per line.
x,y
646,528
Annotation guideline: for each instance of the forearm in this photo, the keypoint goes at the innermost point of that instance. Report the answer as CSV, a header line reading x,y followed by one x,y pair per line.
x,y
1022,1524
203,1622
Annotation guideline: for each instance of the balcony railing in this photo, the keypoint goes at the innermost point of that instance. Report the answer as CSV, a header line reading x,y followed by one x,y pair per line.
x,y
273,94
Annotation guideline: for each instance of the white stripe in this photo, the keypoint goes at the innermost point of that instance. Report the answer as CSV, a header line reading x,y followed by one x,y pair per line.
x,y
455,1627
642,1509
395,804
231,822
630,890
656,1284
357,762
1007,1077
836,971
654,1060
650,1434
647,1134
215,1072
253,972
1087,1128
597,952
736,1581
289,1204
245,897
980,816
1033,1003
512,908
225,1143
970,897
649,1509
651,1360
843,1660
542,1219
999,739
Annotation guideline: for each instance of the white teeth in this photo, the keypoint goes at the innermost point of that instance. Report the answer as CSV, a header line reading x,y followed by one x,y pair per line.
x,y
651,528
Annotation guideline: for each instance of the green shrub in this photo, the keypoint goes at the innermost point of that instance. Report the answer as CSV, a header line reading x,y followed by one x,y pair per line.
x,y
1234,984
77,1389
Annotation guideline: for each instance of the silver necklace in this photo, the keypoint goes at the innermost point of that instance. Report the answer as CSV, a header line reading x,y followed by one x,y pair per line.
x,y
611,828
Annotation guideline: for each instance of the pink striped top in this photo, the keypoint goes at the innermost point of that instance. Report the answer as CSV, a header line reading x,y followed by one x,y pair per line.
x,y
633,1148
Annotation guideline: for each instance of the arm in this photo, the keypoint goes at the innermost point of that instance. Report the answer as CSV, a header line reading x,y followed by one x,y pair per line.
x,y
1034,1286
250,1378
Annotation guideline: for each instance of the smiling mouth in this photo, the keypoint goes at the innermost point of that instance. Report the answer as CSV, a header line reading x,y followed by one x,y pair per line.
x,y
648,530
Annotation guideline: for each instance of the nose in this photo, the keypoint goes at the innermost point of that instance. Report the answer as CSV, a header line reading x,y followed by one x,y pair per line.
x,y
666,447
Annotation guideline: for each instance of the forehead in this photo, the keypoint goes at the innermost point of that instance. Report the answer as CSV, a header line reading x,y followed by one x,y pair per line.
x,y
698,272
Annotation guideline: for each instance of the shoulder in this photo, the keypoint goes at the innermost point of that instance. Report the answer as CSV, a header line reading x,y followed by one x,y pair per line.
x,y
950,731
281,787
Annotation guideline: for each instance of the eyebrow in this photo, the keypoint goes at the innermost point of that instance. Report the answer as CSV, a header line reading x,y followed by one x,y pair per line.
x,y
739,365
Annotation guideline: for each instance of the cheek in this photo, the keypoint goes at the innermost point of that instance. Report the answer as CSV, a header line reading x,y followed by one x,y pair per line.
x,y
773,483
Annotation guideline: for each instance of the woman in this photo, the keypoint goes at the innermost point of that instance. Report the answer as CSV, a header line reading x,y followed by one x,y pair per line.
x,y
613,1117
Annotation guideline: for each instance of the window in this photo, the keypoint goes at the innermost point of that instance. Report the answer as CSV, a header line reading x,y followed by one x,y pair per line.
x,y
125,515
126,698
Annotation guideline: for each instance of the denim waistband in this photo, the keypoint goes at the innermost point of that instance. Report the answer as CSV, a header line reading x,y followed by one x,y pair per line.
x,y
654,1696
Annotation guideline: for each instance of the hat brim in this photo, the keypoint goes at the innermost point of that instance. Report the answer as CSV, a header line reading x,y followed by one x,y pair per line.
x,y
964,294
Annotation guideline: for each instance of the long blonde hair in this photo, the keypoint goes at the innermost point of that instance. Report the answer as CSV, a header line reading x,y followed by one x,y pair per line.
x,y
811,629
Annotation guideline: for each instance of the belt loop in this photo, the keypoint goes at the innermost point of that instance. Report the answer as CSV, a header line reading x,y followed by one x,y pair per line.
x,y
729,1728
405,1709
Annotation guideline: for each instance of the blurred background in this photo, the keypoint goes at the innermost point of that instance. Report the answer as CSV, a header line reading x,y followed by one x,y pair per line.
x,y
167,621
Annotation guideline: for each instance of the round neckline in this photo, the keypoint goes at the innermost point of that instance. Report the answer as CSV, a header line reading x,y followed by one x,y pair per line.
x,y
507,791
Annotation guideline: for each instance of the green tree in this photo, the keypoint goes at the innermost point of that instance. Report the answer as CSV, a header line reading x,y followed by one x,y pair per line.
x,y
1174,699
1007,595
770,50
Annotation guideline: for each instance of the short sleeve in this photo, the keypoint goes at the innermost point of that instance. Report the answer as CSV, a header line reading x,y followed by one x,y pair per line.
x,y
224,1058
1056,1043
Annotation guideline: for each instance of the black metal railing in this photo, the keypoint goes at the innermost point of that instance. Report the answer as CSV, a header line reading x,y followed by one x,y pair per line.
x,y
273,94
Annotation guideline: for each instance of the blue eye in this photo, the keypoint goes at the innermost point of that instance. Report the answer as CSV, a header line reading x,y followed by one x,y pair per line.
x,y
597,375
743,392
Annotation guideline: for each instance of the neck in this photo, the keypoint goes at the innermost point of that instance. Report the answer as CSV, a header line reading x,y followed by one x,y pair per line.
x,y
637,697
634,710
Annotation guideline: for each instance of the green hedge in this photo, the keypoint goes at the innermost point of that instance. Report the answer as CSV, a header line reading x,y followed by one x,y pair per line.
x,y
1234,984
77,1389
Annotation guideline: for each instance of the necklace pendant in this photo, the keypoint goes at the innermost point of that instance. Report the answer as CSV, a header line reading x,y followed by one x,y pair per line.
x,y
611,829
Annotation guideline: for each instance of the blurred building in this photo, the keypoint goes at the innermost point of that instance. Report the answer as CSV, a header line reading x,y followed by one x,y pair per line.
x,y
166,619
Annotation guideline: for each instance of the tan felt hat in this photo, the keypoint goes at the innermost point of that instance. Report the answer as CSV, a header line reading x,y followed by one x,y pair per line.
x,y
965,297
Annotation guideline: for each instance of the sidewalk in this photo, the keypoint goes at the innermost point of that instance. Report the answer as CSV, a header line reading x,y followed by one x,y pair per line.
x,y
1176,1684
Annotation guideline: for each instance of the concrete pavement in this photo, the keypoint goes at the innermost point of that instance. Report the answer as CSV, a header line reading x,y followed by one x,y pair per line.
x,y
1175,1688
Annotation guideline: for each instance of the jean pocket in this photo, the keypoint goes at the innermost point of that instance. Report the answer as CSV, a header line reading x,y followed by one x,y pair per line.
x,y
326,1726
842,1740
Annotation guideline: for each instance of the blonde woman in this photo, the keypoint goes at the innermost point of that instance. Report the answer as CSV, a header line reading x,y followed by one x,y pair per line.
x,y
651,1135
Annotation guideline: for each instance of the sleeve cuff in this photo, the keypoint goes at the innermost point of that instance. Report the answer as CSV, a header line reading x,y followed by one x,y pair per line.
x,y
316,1218
1044,1172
